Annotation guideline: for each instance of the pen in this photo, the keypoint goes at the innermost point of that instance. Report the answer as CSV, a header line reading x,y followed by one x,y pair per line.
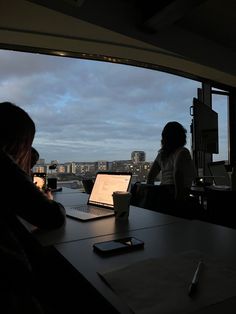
x,y
195,280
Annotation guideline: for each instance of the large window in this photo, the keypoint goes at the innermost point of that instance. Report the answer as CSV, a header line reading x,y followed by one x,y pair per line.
x,y
92,111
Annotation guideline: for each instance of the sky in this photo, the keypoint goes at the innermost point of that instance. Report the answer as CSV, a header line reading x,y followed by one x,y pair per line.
x,y
87,110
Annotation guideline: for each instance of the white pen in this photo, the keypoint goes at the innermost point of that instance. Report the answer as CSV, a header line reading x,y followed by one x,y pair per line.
x,y
195,280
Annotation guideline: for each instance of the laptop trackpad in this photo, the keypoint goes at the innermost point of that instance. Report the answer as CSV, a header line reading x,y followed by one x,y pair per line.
x,y
79,214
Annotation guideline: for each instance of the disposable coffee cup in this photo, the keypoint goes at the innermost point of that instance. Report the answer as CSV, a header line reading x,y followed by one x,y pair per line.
x,y
121,202
52,183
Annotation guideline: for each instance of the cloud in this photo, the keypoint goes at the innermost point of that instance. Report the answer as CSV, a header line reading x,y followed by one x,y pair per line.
x,y
89,110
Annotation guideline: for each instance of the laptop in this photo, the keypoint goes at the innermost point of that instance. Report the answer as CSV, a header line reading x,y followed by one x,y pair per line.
x,y
100,201
220,176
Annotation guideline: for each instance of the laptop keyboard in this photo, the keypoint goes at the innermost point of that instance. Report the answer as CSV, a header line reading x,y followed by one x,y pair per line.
x,y
90,209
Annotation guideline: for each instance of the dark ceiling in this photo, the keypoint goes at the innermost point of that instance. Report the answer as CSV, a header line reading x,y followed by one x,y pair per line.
x,y
198,36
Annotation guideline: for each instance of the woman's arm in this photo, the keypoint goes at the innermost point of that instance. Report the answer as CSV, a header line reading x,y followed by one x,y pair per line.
x,y
153,172
183,174
26,200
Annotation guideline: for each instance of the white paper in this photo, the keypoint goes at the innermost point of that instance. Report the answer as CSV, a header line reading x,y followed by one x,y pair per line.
x,y
161,285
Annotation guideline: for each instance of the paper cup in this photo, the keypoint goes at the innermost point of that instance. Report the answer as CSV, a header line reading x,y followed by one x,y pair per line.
x,y
121,202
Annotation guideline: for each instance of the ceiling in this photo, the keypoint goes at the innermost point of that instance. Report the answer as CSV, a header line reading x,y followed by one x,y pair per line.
x,y
192,38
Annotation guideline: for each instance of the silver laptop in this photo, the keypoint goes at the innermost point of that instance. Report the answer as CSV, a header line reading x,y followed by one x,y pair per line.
x,y
100,201
220,176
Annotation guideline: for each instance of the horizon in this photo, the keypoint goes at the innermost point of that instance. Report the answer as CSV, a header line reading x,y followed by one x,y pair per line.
x,y
89,110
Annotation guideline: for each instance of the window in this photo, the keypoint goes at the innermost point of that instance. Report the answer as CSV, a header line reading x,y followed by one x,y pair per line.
x,y
92,114
219,104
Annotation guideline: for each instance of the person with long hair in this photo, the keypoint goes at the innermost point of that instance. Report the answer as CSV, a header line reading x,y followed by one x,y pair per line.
x,y
21,199
17,131
173,162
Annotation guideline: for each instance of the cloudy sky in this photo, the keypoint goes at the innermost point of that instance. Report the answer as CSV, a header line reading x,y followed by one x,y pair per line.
x,y
89,110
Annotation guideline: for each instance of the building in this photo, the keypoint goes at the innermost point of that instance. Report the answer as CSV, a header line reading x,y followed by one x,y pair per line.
x,y
138,156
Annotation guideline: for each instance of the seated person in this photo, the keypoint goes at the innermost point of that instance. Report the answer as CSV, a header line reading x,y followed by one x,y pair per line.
x,y
17,132
174,165
21,199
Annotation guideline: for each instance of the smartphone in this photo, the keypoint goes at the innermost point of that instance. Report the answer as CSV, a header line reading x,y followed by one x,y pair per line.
x,y
39,179
118,246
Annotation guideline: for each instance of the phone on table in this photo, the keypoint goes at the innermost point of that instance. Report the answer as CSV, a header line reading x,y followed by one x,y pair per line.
x,y
118,246
40,180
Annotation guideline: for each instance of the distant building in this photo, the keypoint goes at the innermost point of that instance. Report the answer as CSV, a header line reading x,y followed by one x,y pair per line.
x,y
120,165
138,156
37,168
41,161
56,162
61,169
101,165
73,167
70,167
85,168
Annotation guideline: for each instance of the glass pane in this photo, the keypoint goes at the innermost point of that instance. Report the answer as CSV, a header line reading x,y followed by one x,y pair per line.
x,y
220,105
91,115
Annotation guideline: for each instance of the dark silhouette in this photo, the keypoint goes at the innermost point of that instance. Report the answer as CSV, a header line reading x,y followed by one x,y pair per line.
x,y
173,162
20,254
174,166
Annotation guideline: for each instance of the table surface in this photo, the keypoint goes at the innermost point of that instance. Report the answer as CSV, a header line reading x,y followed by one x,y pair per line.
x,y
162,234
212,240
78,230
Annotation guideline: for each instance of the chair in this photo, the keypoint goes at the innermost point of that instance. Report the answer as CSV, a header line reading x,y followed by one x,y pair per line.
x,y
154,197
138,194
88,185
160,198
221,207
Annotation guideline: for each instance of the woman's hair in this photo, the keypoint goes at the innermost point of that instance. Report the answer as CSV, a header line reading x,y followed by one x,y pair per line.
x,y
17,132
34,156
173,137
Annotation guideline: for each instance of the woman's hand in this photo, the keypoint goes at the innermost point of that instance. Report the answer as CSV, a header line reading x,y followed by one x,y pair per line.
x,y
48,193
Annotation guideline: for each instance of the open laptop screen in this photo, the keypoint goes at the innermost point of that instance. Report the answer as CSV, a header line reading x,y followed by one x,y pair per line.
x,y
104,186
219,173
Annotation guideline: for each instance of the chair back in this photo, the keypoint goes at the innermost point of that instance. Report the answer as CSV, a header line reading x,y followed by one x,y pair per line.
x,y
88,185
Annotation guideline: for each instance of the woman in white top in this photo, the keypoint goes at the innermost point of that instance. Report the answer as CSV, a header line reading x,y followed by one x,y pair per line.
x,y
173,163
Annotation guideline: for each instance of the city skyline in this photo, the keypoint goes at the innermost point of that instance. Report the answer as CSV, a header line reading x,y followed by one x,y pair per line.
x,y
42,160
88,110
137,165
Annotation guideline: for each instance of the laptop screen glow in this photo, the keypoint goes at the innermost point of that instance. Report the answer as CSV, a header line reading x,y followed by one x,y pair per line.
x,y
104,186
